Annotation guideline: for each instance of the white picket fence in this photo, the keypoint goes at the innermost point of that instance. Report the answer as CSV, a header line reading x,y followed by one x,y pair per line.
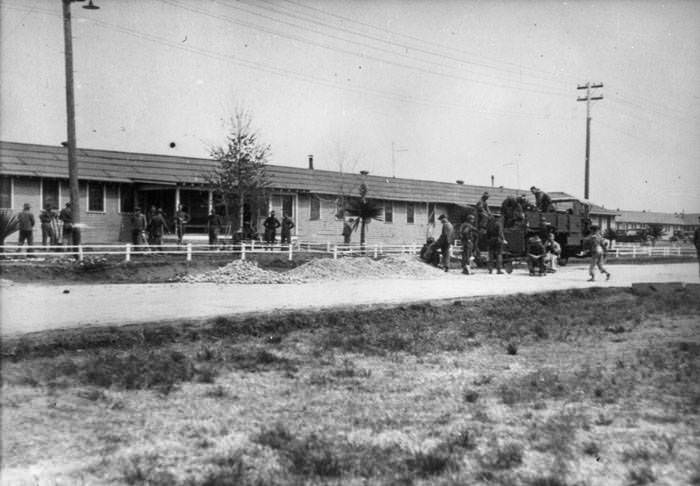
x,y
243,250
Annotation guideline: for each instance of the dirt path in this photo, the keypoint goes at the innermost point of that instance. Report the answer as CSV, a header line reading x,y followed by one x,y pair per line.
x,y
28,308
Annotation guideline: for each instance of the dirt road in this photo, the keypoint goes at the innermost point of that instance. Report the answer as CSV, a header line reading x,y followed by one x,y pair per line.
x,y
28,308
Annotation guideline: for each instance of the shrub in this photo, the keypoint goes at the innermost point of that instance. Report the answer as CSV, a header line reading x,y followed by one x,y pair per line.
x,y
431,463
512,348
465,439
591,449
504,456
641,476
470,396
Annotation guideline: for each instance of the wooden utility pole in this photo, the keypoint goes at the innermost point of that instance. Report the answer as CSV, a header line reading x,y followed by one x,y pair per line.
x,y
588,98
70,108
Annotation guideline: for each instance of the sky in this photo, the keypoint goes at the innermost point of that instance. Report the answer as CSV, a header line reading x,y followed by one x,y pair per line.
x,y
436,90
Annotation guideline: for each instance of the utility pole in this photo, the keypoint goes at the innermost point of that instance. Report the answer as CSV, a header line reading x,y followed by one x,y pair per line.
x,y
70,111
588,98
393,158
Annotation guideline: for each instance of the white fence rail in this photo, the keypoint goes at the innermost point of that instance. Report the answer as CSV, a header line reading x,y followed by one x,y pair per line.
x,y
243,250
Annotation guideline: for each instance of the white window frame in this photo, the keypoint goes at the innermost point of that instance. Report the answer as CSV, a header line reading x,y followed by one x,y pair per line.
x,y
104,198
12,192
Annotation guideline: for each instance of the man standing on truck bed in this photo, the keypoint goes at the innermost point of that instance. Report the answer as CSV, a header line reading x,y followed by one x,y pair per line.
x,y
542,200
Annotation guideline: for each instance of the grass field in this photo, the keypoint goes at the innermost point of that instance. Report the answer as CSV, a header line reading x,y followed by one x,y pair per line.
x,y
581,387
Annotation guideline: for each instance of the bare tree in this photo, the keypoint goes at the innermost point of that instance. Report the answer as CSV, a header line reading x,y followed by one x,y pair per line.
x,y
240,178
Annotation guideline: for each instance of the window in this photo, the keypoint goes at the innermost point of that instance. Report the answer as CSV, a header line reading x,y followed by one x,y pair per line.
x,y
287,206
315,208
431,213
96,197
5,192
410,213
388,212
126,198
49,193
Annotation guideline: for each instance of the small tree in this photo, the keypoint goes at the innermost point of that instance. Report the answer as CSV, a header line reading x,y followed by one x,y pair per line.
x,y
9,223
240,179
655,231
364,211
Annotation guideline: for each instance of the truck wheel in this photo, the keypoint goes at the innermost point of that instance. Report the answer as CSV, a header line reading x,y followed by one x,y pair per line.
x,y
563,261
508,266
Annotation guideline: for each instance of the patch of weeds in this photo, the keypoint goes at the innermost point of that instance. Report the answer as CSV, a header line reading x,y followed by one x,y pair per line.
x,y
319,378
604,421
470,396
465,439
277,437
431,463
144,469
260,360
230,470
539,385
482,380
92,394
616,329
546,481
312,456
216,392
540,331
206,353
512,348
642,476
206,374
591,449
636,453
503,456
137,369
349,370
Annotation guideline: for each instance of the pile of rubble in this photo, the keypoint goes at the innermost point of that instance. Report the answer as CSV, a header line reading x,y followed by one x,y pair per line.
x,y
240,272
245,272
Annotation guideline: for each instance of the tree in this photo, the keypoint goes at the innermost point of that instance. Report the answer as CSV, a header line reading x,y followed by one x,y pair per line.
x,y
9,223
655,231
364,211
240,180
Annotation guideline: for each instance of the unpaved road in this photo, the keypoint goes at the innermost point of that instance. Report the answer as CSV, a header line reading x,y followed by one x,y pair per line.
x,y
26,308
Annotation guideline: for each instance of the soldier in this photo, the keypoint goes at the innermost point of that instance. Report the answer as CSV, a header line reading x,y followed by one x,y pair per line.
x,y
445,241
429,253
286,232
66,216
213,227
553,252
26,226
138,227
469,235
271,224
543,202
696,240
158,227
483,213
182,217
596,245
48,235
512,211
535,254
495,241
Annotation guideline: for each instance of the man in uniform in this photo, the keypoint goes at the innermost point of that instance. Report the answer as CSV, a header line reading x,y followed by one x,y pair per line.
x,y
542,200
535,254
182,217
48,235
26,226
596,244
468,234
495,241
444,242
138,227
552,252
429,252
286,231
213,227
66,216
271,224
696,239
158,227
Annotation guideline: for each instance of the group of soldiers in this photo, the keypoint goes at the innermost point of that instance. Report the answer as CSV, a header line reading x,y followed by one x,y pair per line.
x,y
484,229
56,227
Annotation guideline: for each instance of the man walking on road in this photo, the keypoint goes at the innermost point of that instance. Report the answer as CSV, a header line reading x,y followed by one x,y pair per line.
x,y
445,241
696,240
596,243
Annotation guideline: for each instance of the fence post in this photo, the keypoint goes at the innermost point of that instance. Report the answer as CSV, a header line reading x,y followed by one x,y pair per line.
x,y
189,252
376,251
617,253
80,253
328,246
128,252
290,252
649,251
252,245
243,249
335,252
679,251
381,248
634,252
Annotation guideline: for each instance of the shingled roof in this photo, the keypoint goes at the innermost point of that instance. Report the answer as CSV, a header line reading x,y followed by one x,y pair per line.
x,y
21,159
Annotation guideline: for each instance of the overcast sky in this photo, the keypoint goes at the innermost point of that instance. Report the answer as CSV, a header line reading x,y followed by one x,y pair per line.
x,y
463,89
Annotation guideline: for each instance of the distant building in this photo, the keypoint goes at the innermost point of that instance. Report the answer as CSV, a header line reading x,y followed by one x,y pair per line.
x,y
113,183
632,221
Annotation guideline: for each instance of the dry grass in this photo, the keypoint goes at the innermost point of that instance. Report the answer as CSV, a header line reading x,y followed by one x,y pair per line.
x,y
418,394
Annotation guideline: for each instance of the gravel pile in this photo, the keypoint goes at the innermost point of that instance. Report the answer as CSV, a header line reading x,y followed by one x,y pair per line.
x,y
245,272
361,267
240,272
